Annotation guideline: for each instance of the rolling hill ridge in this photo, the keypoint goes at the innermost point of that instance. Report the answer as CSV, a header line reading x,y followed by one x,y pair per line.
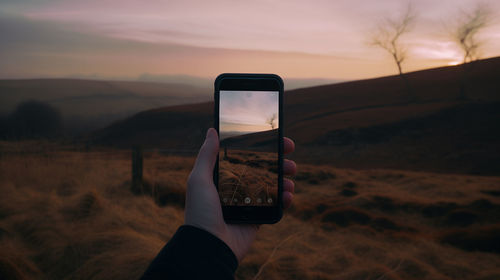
x,y
375,123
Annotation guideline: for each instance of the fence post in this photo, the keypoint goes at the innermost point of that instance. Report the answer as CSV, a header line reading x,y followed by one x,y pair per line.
x,y
137,169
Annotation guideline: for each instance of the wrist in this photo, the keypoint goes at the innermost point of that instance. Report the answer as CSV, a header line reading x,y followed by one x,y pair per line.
x,y
218,246
221,236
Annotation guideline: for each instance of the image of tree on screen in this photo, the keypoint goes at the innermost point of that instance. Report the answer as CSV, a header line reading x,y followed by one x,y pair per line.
x,y
248,163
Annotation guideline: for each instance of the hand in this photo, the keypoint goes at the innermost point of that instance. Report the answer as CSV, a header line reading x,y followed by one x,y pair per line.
x,y
203,208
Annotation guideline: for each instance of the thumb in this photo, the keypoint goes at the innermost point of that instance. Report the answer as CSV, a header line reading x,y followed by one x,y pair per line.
x,y
207,155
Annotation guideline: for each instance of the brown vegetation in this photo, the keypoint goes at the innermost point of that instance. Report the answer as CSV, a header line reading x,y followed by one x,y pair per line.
x,y
249,174
65,214
73,215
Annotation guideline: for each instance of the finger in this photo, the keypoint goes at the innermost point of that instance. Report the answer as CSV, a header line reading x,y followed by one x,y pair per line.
x,y
288,185
289,145
287,199
207,155
289,167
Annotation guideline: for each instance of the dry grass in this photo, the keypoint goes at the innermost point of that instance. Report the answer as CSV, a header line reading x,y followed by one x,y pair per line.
x,y
248,174
73,215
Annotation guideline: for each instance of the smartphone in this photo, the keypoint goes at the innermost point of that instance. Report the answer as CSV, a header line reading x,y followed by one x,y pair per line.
x,y
249,170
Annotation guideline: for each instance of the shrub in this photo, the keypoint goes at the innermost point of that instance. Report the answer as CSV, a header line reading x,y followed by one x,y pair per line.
x,y
33,119
348,192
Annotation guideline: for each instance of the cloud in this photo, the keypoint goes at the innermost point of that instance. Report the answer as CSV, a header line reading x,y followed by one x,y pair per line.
x,y
34,48
61,49
250,108
204,38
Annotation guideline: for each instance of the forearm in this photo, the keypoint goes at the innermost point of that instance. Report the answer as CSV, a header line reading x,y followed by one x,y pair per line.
x,y
193,253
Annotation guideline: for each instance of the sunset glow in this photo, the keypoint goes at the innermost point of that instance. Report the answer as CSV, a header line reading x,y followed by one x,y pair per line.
x,y
295,39
244,112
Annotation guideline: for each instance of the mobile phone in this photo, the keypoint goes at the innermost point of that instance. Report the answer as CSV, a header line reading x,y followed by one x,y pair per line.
x,y
249,170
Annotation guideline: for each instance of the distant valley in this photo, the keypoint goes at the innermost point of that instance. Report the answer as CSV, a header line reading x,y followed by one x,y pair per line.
x,y
91,104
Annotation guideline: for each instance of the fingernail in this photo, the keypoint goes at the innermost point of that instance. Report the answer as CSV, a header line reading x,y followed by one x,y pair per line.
x,y
209,133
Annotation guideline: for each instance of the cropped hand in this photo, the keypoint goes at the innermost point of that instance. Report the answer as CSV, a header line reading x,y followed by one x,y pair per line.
x,y
203,208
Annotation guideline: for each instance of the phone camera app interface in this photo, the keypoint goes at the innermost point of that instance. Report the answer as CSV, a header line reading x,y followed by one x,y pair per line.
x,y
248,155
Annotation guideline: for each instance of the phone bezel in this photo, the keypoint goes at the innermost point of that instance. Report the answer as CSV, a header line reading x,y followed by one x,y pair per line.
x,y
256,82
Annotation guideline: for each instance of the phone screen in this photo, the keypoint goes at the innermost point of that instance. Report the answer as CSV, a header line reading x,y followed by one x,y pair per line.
x,y
248,154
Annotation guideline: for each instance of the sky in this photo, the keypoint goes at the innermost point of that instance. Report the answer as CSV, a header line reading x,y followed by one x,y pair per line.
x,y
126,39
242,112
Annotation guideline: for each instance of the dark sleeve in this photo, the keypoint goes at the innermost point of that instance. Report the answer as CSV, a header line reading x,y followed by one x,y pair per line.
x,y
193,253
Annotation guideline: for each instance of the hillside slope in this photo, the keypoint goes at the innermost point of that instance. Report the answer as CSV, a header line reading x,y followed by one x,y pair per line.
x,y
362,124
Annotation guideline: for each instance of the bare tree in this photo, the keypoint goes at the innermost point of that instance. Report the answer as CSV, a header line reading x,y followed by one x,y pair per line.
x,y
466,29
389,34
270,121
464,33
388,37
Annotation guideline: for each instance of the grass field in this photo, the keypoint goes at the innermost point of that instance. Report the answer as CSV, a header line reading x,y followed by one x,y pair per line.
x,y
73,215
248,174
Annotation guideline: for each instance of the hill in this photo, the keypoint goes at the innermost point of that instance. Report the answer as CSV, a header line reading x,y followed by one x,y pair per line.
x,y
93,103
264,140
371,123
178,127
